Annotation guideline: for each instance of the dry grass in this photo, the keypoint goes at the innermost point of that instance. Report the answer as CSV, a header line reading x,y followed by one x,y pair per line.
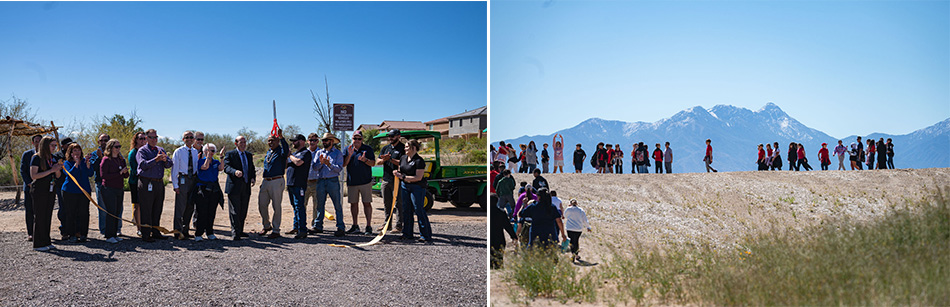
x,y
681,238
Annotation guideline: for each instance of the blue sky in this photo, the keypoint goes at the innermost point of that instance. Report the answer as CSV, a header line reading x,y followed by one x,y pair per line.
x,y
216,66
842,67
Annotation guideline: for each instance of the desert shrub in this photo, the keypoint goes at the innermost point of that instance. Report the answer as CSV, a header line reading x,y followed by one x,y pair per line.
x,y
544,273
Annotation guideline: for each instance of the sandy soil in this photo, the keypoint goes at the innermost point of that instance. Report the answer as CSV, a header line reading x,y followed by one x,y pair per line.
x,y
721,209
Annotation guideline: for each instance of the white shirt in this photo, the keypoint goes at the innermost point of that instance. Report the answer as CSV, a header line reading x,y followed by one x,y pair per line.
x,y
557,203
180,163
575,219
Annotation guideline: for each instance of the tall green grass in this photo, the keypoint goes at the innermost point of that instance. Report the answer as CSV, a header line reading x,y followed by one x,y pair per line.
x,y
900,259
545,273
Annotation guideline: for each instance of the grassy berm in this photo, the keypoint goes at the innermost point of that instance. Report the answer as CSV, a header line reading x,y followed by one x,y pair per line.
x,y
782,238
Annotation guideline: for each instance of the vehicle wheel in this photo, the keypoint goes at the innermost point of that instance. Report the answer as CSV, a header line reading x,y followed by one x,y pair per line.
x,y
460,204
427,204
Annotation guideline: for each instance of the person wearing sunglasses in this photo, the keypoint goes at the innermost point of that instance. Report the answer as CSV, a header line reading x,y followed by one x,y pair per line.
x,y
113,170
328,163
184,176
389,157
152,162
359,163
298,169
272,187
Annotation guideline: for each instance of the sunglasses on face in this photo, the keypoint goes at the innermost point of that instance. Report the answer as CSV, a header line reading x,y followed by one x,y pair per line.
x,y
189,137
200,139
357,139
117,146
104,140
141,138
314,140
153,137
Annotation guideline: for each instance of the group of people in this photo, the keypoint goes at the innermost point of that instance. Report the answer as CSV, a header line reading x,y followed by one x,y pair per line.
x,y
882,152
606,158
307,172
537,212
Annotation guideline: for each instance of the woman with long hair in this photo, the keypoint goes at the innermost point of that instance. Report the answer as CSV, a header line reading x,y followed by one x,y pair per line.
x,y
531,157
411,173
558,153
802,160
792,156
545,222
112,170
138,140
776,158
44,169
871,152
75,205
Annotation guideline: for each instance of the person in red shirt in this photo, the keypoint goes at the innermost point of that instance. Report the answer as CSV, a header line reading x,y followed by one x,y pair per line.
x,y
708,157
871,151
823,156
658,158
761,160
802,160
609,159
618,159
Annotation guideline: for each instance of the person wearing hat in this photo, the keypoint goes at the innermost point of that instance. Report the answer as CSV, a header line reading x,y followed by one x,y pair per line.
x,y
823,156
298,168
359,162
389,157
328,162
272,185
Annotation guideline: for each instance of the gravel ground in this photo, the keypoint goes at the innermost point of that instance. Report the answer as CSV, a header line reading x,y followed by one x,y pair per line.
x,y
250,272
258,271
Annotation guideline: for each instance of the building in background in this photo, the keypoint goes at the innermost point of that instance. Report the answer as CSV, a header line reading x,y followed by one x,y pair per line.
x,y
469,124
441,125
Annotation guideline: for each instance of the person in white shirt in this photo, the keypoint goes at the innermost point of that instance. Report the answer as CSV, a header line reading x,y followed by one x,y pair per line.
x,y
556,202
575,221
184,176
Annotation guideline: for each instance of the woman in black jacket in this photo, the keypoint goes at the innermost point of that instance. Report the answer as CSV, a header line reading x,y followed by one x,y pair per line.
x,y
792,156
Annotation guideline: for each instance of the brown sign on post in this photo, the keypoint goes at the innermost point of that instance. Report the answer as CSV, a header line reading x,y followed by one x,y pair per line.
x,y
343,116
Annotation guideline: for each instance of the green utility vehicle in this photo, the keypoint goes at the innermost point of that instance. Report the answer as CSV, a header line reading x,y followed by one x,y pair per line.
x,y
460,185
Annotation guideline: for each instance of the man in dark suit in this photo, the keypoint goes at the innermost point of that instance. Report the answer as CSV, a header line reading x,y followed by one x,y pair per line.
x,y
239,165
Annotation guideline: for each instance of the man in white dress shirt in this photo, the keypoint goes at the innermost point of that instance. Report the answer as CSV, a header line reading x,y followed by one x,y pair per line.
x,y
184,175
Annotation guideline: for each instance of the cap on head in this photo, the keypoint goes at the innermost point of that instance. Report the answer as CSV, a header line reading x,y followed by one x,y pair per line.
x,y
358,134
299,137
394,132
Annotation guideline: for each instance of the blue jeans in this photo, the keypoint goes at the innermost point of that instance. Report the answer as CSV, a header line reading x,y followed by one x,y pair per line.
x,y
300,208
414,203
328,186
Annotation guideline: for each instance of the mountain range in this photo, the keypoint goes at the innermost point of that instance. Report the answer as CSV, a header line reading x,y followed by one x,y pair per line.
x,y
735,132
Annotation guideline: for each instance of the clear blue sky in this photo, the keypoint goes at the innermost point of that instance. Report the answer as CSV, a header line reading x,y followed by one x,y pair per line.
x,y
216,66
842,67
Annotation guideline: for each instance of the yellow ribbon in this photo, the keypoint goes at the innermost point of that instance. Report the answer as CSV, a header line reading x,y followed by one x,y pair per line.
x,y
160,228
388,220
